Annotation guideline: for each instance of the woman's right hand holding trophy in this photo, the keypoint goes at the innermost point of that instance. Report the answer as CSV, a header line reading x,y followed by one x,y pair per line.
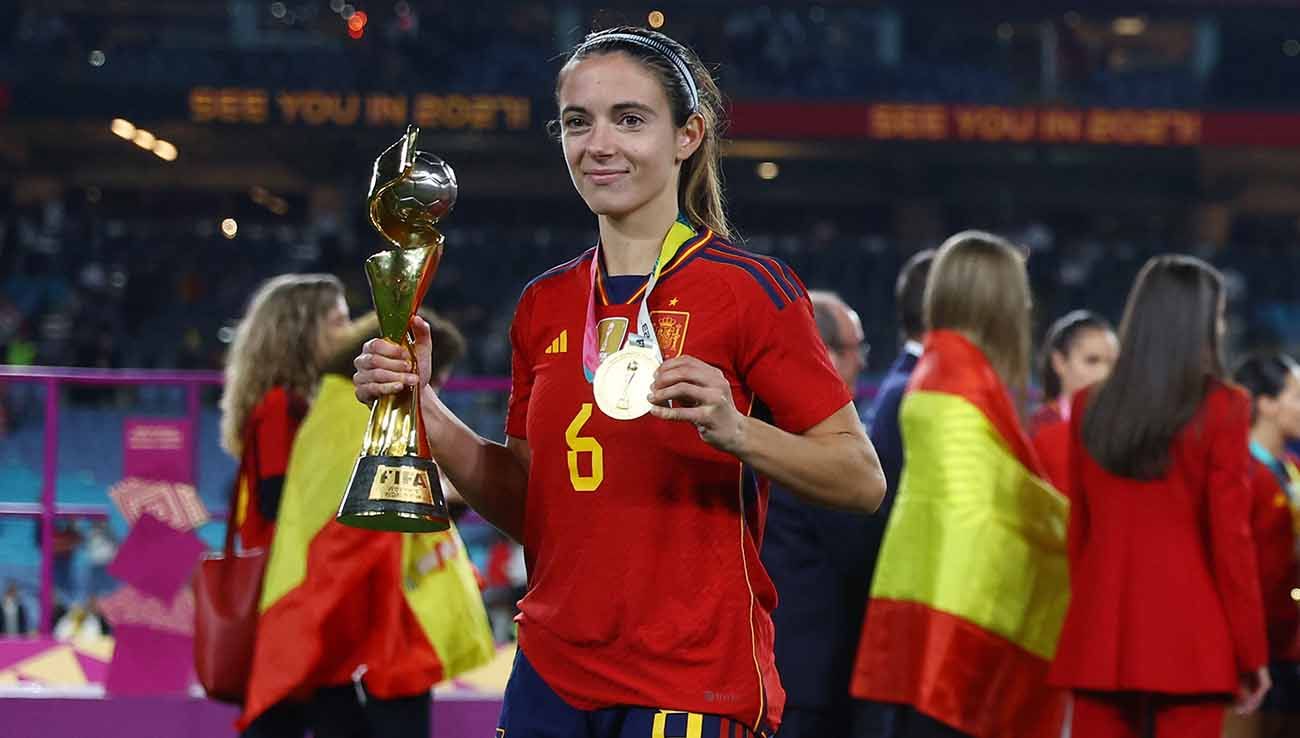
x,y
384,367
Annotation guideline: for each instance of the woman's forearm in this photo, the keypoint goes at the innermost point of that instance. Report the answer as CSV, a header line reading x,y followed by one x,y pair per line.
x,y
492,477
836,467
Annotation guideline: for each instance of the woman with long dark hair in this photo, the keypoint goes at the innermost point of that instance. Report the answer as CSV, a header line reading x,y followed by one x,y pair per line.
x,y
659,379
1165,625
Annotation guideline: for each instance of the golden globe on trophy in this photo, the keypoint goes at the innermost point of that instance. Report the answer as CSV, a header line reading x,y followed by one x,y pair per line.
x,y
395,484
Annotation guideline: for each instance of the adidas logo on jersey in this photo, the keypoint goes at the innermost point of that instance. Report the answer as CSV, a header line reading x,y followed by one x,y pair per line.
x,y
561,343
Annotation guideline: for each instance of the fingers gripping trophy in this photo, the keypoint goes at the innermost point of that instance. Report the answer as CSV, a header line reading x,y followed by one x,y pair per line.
x,y
395,484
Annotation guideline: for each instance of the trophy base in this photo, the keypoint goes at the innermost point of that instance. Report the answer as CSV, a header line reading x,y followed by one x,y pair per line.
x,y
395,493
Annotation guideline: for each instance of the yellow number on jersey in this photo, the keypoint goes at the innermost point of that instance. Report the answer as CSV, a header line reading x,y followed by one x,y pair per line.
x,y
584,444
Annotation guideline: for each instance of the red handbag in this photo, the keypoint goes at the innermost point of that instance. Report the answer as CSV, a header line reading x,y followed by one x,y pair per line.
x,y
227,588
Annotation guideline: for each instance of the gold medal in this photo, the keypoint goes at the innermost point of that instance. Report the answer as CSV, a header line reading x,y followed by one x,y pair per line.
x,y
623,382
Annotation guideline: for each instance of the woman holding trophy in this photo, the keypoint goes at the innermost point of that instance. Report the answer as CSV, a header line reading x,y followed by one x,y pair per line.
x,y
659,379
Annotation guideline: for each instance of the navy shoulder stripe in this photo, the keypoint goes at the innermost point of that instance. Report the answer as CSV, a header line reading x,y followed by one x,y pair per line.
x,y
769,265
790,284
790,275
759,274
556,271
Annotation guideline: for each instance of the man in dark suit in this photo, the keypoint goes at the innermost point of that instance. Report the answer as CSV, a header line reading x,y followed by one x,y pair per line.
x,y
880,720
13,615
882,416
817,559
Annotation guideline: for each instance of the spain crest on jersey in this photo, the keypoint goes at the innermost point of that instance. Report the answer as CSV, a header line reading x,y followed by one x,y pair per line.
x,y
670,328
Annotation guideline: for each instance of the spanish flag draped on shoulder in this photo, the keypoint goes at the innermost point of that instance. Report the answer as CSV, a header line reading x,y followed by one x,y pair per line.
x,y
972,582
335,599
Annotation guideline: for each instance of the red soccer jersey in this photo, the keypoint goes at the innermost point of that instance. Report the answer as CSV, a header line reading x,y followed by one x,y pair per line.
x,y
645,586
1049,429
268,437
1279,572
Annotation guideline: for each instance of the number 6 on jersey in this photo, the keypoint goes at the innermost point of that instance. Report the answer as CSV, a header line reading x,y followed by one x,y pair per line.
x,y
580,445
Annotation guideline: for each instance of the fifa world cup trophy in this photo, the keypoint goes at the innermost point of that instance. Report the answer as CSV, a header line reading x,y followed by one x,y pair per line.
x,y
395,484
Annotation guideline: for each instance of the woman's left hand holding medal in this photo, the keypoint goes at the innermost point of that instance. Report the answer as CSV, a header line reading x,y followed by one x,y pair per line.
x,y
690,390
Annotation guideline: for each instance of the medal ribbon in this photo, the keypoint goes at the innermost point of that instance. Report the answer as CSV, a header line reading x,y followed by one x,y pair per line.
x,y
644,333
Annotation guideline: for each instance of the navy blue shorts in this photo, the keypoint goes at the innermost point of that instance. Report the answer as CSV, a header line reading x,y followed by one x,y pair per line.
x,y
533,710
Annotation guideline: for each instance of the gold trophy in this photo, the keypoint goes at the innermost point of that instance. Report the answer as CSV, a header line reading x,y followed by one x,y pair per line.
x,y
395,484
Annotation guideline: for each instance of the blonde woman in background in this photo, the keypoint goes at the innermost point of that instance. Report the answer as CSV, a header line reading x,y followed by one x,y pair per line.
x,y
272,369
970,588
356,626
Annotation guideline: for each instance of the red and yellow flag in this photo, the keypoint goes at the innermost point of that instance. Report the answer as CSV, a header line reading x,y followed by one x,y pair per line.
x,y
335,599
972,582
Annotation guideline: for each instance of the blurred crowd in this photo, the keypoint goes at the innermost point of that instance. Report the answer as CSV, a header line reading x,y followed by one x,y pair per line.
x,y
771,50
81,288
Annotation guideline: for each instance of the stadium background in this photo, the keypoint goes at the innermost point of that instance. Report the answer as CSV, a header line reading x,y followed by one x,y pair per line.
x,y
159,159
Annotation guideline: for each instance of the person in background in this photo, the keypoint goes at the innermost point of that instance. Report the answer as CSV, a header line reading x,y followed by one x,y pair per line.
x,y
882,416
271,372
1165,623
817,558
17,404
1079,350
101,548
971,584
357,626
874,718
1273,382
21,350
67,539
505,575
81,622
59,608
93,609
13,613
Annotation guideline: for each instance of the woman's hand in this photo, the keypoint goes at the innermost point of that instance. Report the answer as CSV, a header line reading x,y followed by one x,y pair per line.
x,y
1251,691
384,367
700,394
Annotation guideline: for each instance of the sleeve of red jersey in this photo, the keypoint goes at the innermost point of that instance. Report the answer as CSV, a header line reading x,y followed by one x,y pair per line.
x,y
273,438
1077,528
786,365
521,370
1232,549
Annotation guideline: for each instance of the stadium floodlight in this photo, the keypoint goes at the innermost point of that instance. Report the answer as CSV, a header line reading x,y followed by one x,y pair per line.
x,y
1129,26
165,150
144,139
122,128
